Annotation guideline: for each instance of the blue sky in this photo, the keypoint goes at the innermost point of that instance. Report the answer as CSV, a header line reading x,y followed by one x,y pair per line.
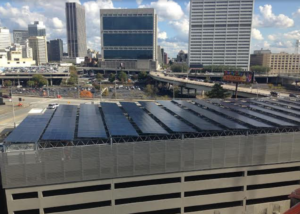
x,y
276,23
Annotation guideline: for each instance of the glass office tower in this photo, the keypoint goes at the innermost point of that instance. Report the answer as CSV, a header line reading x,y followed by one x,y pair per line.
x,y
128,34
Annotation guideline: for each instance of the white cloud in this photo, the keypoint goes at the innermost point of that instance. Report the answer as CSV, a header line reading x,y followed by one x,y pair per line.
x,y
297,13
292,35
139,2
181,27
267,18
166,9
272,37
188,7
57,23
256,34
162,35
172,48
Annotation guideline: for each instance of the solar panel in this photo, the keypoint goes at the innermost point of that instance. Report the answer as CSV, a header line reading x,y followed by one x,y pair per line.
x,y
191,118
277,107
212,116
116,122
145,123
235,115
297,107
166,118
285,100
90,122
31,128
62,126
276,113
258,115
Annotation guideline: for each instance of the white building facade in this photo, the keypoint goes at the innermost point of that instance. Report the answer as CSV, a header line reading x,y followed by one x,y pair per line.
x,y
220,32
5,40
39,49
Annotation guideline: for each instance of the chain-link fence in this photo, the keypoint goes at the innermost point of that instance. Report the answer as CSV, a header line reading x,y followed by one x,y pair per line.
x,y
82,163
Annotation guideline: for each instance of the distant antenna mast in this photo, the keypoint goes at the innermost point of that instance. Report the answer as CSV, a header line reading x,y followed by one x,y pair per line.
x,y
297,46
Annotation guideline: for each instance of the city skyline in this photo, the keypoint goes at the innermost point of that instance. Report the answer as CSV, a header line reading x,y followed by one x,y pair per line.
x,y
272,28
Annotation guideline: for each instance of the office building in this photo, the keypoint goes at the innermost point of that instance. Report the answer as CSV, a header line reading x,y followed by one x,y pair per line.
x,y
20,36
207,156
26,50
182,56
39,49
278,62
220,32
4,38
166,60
55,50
12,57
159,55
129,36
76,30
37,29
262,51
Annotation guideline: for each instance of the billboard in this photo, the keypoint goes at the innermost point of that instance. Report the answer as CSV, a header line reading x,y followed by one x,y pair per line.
x,y
239,76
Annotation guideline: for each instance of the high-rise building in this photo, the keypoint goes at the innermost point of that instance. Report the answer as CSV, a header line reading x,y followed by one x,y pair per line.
x,y
37,29
182,56
129,34
4,38
55,50
39,49
76,30
166,61
20,36
159,55
26,50
220,32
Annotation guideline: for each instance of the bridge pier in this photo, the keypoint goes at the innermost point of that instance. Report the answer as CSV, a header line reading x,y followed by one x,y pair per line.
x,y
267,80
195,92
19,82
51,82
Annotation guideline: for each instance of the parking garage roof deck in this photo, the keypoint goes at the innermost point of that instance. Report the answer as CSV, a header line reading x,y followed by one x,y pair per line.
x,y
161,120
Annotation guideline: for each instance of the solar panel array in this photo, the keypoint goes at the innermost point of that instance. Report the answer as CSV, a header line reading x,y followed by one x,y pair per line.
x,y
90,122
276,107
166,118
116,122
191,118
62,126
31,128
145,123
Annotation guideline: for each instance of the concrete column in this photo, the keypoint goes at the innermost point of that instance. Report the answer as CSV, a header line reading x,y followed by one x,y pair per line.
x,y
267,80
181,90
188,91
195,92
18,81
51,82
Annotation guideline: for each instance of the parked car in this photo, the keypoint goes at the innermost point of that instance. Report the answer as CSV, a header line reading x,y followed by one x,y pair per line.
x,y
274,94
53,106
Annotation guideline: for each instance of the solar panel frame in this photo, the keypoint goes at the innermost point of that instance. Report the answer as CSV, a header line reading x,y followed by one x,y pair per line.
x,y
173,123
145,123
237,116
259,115
116,122
213,116
63,124
30,129
90,124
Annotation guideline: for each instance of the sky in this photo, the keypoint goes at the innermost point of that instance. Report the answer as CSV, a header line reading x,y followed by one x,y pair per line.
x,y
276,23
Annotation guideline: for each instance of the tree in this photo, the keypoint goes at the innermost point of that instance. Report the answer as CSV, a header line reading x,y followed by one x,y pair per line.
x,y
151,90
112,78
7,83
142,75
39,80
182,67
73,76
134,77
30,83
260,69
217,92
99,77
122,76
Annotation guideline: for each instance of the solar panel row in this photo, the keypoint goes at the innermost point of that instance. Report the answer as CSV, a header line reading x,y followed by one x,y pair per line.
x,y
90,122
173,123
62,126
116,122
146,124
276,107
31,128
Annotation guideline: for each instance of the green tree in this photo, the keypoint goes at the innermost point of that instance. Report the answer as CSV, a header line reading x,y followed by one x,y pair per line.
x,y
39,80
73,76
134,77
217,92
8,83
260,69
99,77
30,83
182,67
151,90
122,76
170,62
112,78
142,75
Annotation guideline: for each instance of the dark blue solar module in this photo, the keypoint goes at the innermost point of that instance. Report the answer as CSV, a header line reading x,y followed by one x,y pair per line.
x,y
145,123
290,105
277,107
166,118
234,115
193,119
31,128
62,126
116,122
90,122
258,115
